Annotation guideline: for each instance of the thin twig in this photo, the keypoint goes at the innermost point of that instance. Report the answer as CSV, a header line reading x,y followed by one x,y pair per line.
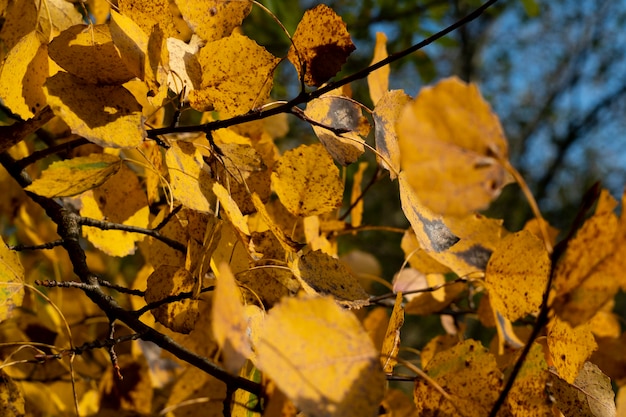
x,y
47,245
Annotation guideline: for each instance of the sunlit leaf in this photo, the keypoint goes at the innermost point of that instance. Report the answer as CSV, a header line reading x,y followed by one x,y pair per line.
x,y
23,73
88,53
453,369
321,358
190,181
131,42
427,304
307,181
74,176
185,72
11,282
569,347
450,143
590,394
236,75
339,113
213,19
147,13
356,197
322,274
517,274
107,115
321,44
391,343
167,281
378,81
386,113
230,208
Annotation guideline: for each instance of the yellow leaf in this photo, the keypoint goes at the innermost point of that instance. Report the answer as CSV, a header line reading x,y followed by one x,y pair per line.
x,y
160,253
287,243
468,373
187,394
339,113
23,73
213,19
307,181
378,81
231,209
11,281
391,343
356,214
185,72
230,324
321,44
427,304
386,113
569,347
147,13
517,274
236,75
88,53
11,398
418,257
527,397
167,281
190,181
99,10
268,284
322,274
398,404
321,358
590,394
450,147
131,42
106,115
74,176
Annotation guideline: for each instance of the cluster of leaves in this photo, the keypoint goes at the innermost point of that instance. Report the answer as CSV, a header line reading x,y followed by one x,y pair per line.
x,y
151,130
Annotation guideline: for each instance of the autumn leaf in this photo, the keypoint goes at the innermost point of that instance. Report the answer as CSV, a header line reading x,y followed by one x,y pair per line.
x,y
236,75
107,115
569,347
452,369
23,73
450,147
11,282
386,113
168,281
131,42
391,342
74,176
322,274
339,113
378,81
517,274
230,208
321,358
213,19
320,45
11,397
307,181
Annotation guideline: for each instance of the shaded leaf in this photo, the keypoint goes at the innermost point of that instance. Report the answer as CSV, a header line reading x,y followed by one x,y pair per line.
x,y
11,282
11,398
321,358
321,45
285,241
307,181
236,75
74,176
590,394
451,144
391,343
107,115
190,181
131,42
339,113
386,113
230,208
517,274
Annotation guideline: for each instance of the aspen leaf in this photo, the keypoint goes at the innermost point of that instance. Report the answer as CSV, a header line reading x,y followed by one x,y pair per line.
x,y
322,274
231,209
287,243
590,394
229,321
269,285
190,181
11,397
386,113
213,19
167,281
185,72
236,75
468,373
427,304
23,73
307,181
569,347
517,274
11,281
147,13
190,387
321,45
418,257
107,115
525,398
451,144
391,343
88,52
436,345
398,404
321,358
56,16
378,81
131,42
356,202
339,113
73,176
160,253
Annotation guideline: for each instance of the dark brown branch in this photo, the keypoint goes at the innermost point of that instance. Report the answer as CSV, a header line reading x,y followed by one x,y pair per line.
x,y
47,245
12,135
52,150
171,299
